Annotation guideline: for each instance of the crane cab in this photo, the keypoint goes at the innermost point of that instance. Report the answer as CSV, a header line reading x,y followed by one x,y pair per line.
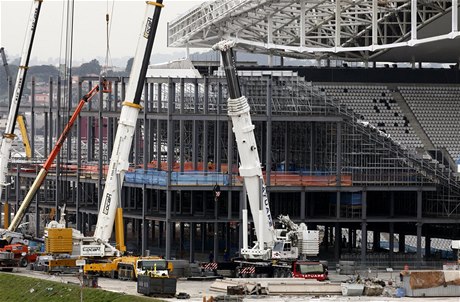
x,y
283,250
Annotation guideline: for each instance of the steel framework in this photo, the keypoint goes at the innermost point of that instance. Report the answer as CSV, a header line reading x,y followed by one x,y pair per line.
x,y
352,29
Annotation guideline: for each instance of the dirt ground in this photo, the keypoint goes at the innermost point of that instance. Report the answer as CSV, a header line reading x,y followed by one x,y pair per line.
x,y
198,289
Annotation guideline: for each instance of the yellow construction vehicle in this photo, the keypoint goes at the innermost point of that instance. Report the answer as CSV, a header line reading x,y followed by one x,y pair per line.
x,y
130,267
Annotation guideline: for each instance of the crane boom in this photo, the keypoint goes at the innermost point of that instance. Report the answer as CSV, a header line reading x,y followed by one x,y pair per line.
x,y
250,169
47,165
128,117
7,69
8,136
272,244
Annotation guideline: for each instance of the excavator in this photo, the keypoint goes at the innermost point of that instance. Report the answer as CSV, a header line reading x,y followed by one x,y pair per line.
x,y
276,251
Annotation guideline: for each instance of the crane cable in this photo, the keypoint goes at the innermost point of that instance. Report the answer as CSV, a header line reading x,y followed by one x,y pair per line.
x,y
108,57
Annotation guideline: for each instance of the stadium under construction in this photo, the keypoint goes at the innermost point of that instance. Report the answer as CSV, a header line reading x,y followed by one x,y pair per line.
x,y
368,159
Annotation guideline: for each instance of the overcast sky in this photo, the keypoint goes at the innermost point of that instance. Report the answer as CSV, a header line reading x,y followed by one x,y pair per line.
x,y
89,27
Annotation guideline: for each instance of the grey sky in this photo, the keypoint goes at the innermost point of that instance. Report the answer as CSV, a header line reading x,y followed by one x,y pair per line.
x,y
89,27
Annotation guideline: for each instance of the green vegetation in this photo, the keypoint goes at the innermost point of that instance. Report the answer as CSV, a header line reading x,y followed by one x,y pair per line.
x,y
19,288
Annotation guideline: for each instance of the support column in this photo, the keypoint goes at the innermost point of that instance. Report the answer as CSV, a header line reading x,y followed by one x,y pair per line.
x,y
419,227
216,241
363,242
203,236
145,223
168,225
268,136
376,241
391,242
192,232
338,241
419,244
353,238
181,240
364,228
160,233
302,206
139,240
326,237
427,247
402,243
350,240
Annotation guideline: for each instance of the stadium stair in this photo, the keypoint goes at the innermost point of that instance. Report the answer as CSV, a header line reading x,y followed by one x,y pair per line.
x,y
398,97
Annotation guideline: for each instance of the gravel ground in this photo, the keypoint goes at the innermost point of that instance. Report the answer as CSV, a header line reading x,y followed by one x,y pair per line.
x,y
198,289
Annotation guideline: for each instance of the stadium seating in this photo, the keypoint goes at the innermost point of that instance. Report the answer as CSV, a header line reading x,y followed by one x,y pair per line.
x,y
376,106
437,109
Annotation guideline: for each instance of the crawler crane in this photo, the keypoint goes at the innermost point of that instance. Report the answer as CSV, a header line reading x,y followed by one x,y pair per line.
x,y
276,250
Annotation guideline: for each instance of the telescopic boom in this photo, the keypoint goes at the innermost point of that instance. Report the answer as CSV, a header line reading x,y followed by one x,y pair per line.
x,y
8,135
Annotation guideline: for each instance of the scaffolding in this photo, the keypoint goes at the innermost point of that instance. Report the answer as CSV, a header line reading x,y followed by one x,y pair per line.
x,y
322,164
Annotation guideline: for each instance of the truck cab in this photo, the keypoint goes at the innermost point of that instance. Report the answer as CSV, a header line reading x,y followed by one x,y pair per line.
x,y
153,267
309,270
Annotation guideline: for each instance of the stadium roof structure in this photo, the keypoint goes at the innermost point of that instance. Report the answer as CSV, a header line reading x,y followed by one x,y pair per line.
x,y
360,30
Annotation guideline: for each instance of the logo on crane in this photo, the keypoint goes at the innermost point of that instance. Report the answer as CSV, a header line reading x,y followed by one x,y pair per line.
x,y
267,206
148,26
107,202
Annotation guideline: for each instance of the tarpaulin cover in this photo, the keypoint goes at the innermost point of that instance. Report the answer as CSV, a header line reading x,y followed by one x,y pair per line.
x,y
428,279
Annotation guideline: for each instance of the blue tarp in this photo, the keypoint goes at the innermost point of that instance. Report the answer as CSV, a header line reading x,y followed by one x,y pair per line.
x,y
155,177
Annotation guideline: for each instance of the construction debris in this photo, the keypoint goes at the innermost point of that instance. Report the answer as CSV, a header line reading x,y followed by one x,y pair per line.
x,y
275,286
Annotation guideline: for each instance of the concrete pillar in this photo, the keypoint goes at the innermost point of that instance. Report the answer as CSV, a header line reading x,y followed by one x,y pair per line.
x,y
363,242
338,241
353,238
419,244
302,206
402,243
364,228
203,236
326,237
154,223
376,241
427,246
216,241
391,241
192,241
181,240
138,234
350,239
160,233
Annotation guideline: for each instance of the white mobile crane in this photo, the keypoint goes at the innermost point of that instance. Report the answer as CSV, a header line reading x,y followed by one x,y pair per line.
x,y
275,249
8,136
61,239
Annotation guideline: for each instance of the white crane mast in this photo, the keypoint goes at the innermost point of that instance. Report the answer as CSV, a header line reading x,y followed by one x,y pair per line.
x,y
8,136
250,169
128,118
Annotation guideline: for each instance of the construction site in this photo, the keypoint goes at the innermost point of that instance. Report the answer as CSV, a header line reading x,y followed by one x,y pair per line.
x,y
357,161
